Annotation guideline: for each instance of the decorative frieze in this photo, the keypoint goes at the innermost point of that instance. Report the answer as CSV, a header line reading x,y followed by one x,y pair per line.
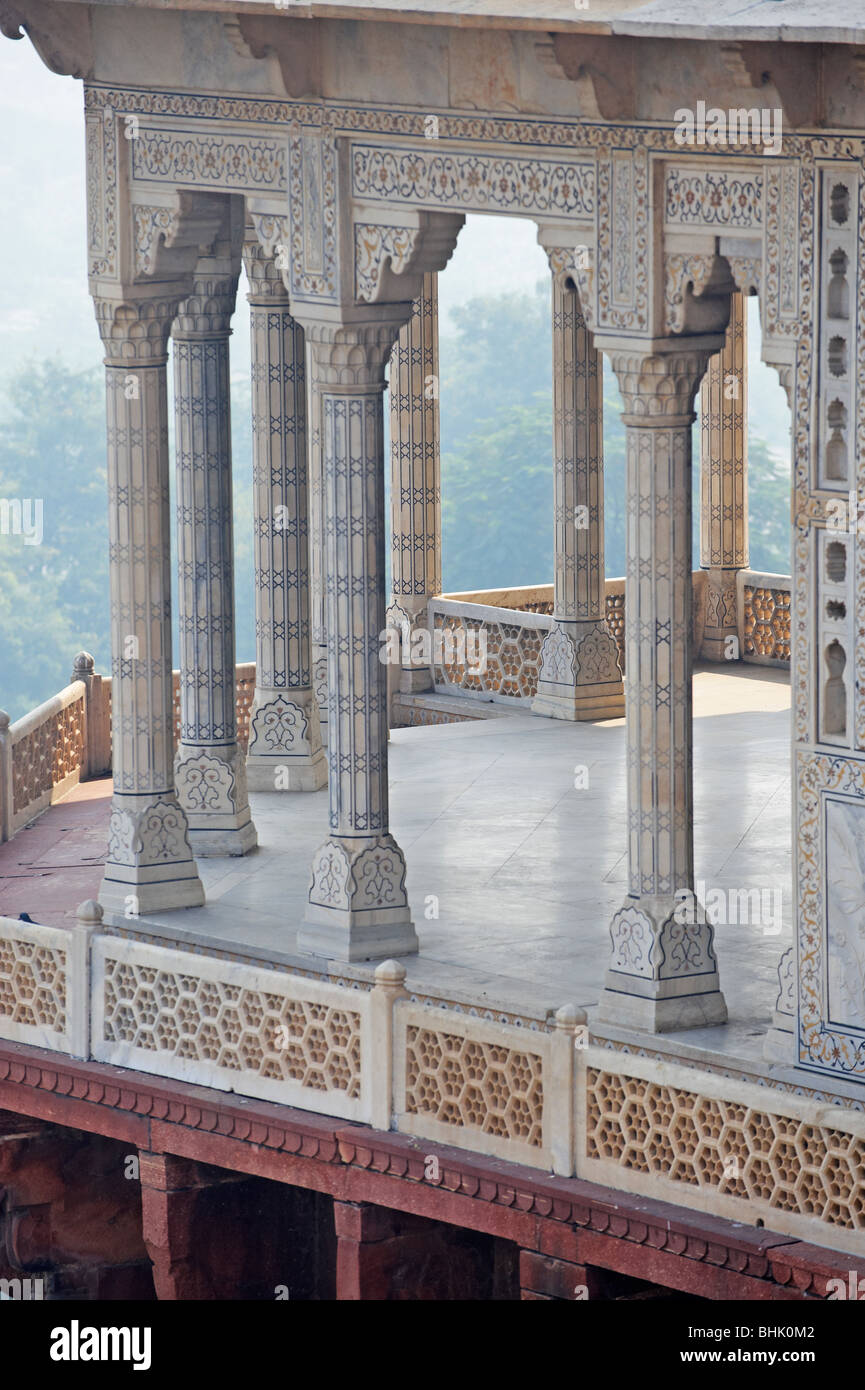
x,y
473,182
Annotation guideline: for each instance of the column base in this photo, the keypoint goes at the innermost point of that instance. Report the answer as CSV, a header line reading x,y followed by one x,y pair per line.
x,y
579,703
149,867
660,1013
579,675
354,940
211,788
357,908
274,774
285,752
720,632
663,975
779,1044
214,841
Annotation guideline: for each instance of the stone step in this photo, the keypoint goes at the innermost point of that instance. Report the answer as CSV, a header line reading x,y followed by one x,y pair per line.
x,y
427,707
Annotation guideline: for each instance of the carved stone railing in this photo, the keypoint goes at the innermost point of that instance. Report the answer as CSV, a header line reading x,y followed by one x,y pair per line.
x,y
47,752
513,623
536,1090
763,609
67,740
486,652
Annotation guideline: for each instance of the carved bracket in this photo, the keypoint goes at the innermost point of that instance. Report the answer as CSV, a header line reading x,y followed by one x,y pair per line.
x,y
409,250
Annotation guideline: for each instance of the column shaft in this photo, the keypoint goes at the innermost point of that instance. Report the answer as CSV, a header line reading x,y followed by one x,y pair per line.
x,y
316,550
357,901
724,483
285,751
579,676
416,572
663,973
209,766
149,865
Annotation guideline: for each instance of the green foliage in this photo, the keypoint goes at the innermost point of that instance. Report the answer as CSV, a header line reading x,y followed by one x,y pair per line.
x,y
768,507
496,436
53,596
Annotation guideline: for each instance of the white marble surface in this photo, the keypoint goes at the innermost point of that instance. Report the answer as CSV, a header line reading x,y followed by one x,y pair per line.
x,y
527,870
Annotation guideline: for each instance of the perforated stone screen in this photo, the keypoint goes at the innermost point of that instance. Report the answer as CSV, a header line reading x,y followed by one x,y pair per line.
x,y
727,1148
33,984
259,1032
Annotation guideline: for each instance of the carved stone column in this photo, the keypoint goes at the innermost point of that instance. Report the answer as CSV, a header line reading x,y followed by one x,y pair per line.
x,y
579,675
209,766
663,973
285,751
357,900
724,483
416,564
316,549
149,866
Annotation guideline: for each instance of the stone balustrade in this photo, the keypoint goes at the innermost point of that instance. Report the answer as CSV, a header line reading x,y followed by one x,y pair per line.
x,y
47,752
361,1046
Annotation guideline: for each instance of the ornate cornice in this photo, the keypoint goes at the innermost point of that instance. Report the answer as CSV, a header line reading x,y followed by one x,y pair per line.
x,y
59,33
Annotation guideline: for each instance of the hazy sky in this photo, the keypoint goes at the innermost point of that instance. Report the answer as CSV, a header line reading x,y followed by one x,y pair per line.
x,y
44,304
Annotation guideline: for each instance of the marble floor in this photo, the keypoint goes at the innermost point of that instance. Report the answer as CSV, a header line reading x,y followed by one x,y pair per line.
x,y
513,871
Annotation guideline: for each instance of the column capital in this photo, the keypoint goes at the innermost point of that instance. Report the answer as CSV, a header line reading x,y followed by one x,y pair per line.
x,y
136,330
207,311
352,357
658,382
266,283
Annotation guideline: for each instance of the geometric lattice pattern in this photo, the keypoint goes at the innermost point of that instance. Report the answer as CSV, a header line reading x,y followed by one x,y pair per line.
x,y
233,1026
47,754
32,984
512,659
615,615
460,1081
732,1148
767,622
244,691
